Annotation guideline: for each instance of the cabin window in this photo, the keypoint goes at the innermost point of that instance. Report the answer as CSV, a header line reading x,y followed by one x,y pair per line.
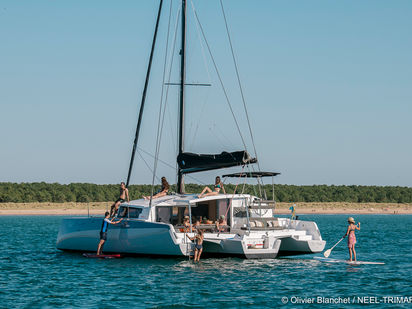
x,y
164,214
201,210
239,212
129,212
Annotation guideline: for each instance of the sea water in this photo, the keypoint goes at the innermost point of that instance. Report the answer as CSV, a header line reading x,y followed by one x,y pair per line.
x,y
34,274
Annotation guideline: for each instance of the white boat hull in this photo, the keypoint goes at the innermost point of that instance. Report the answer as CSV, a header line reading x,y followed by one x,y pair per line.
x,y
128,237
293,246
246,247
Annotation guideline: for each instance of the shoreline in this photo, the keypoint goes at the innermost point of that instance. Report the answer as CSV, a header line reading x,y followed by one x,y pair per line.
x,y
98,208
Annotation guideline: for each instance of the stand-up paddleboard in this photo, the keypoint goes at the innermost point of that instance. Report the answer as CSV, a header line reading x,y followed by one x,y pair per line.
x,y
329,260
102,256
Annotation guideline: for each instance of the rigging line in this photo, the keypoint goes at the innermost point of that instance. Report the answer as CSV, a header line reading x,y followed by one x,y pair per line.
x,y
221,132
220,80
239,82
142,103
168,165
213,129
201,45
145,162
200,118
170,73
160,130
260,182
254,189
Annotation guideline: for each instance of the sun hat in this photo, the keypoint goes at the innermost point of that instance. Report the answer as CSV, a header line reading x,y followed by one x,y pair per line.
x,y
351,220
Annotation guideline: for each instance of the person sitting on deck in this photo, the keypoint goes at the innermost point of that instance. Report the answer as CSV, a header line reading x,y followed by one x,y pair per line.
x,y
216,189
124,194
186,225
197,224
162,192
221,224
198,239
103,231
206,221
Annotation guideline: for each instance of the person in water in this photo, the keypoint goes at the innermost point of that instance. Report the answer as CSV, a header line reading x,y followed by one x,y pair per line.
x,y
198,239
124,194
103,231
216,189
162,192
351,237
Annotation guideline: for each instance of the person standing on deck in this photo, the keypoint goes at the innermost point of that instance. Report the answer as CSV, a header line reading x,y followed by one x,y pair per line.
x,y
124,195
350,232
293,212
103,231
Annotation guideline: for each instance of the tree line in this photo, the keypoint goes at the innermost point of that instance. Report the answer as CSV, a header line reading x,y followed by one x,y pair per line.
x,y
87,192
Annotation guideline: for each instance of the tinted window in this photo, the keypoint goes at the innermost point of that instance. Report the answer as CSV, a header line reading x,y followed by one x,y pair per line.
x,y
127,212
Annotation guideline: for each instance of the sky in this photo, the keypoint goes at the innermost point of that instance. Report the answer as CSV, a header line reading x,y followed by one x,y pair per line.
x,y
328,87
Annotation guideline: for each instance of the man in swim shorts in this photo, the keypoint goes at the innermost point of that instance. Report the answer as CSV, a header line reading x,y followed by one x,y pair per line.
x,y
124,194
103,231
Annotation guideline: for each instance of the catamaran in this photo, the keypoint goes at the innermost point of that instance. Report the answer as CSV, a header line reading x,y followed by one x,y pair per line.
x,y
155,226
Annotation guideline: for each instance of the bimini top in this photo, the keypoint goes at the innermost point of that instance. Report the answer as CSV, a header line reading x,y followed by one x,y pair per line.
x,y
252,174
193,162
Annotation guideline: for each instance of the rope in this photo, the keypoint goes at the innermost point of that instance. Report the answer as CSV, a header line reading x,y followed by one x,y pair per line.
x,y
168,86
260,181
239,82
161,119
209,77
147,165
220,79
165,163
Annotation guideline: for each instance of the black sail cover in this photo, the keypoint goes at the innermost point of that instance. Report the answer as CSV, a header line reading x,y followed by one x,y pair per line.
x,y
193,162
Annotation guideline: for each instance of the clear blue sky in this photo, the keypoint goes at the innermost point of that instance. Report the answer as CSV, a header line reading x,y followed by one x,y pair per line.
x,y
328,86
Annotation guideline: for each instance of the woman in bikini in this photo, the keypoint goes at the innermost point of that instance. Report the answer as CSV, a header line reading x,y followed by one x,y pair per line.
x,y
162,192
186,225
351,237
216,189
198,239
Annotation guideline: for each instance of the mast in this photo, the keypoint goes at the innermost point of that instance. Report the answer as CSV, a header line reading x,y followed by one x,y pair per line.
x,y
139,122
180,178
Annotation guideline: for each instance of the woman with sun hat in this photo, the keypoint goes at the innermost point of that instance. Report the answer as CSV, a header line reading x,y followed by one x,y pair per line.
x,y
351,237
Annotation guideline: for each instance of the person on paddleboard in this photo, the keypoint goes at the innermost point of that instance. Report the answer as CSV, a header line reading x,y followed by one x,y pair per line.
x,y
103,231
350,232
124,195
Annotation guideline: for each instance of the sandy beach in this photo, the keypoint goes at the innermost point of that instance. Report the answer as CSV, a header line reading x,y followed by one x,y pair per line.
x,y
98,208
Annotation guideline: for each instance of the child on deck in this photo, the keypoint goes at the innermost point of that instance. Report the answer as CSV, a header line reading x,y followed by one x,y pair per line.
x,y
351,237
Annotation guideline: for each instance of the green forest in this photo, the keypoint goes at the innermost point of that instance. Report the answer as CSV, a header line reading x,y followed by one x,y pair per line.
x,y
87,192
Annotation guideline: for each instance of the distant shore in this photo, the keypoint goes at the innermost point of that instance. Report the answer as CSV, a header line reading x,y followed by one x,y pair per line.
x,y
98,208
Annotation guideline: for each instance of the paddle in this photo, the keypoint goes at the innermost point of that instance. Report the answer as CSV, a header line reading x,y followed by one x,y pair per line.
x,y
327,252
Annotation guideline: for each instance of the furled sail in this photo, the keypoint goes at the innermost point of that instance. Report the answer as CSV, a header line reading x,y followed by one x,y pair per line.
x,y
193,162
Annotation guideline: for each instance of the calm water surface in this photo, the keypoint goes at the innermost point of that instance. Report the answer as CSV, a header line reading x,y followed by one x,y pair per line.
x,y
34,274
